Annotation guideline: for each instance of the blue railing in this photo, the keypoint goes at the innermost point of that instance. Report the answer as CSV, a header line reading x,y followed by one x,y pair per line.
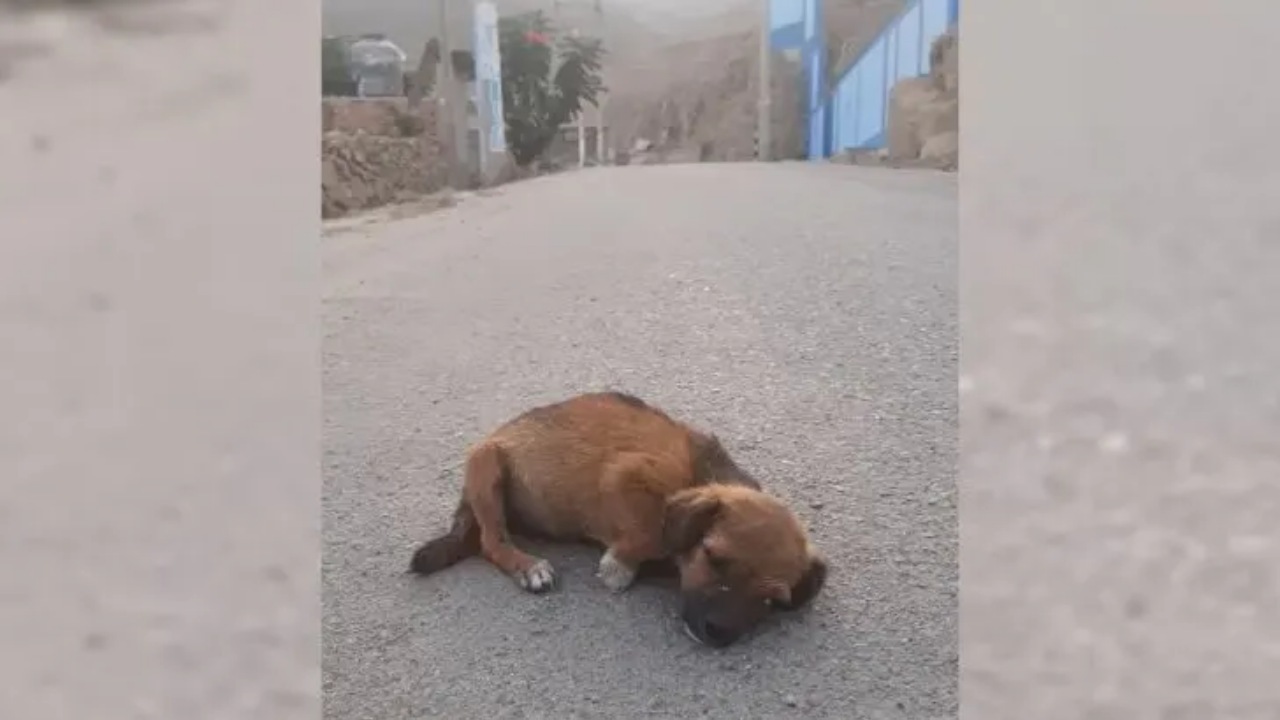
x,y
855,114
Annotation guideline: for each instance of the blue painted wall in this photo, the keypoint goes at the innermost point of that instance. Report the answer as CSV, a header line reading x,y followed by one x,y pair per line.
x,y
858,105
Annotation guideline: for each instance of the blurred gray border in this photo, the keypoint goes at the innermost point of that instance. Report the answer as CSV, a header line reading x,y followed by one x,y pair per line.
x,y
1120,473
158,278
159,449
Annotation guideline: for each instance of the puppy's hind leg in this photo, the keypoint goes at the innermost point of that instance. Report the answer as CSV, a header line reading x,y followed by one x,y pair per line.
x,y
485,492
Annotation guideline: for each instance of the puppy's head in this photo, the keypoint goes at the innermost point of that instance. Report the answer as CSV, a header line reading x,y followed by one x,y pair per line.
x,y
741,555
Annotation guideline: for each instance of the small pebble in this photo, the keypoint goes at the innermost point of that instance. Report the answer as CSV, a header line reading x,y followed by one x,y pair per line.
x,y
790,701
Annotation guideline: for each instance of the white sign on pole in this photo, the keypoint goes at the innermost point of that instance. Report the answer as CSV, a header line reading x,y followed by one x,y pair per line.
x,y
489,74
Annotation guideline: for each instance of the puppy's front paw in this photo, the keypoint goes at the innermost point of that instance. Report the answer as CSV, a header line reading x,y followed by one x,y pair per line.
x,y
615,574
539,578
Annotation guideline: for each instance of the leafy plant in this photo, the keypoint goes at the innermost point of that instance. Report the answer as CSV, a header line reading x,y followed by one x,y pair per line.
x,y
546,82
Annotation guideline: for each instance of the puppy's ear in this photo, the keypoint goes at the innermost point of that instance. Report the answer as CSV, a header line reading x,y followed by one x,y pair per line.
x,y
687,518
809,586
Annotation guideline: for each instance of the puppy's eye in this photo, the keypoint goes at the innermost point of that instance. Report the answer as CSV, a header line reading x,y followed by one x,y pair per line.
x,y
717,563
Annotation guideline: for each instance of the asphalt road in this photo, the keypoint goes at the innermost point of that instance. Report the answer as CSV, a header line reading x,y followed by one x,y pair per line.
x,y
807,314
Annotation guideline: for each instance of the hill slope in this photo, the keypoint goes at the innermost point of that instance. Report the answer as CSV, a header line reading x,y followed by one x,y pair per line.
x,y
703,84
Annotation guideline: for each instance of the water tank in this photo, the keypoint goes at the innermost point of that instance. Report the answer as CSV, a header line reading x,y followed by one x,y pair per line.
x,y
378,65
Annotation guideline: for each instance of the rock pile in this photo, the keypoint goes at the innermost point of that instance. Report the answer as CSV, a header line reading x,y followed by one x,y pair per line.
x,y
924,112
375,152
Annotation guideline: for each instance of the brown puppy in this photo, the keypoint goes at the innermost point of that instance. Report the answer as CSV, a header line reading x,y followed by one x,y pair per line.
x,y
608,468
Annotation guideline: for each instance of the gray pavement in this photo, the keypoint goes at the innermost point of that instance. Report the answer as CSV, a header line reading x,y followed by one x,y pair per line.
x,y
807,314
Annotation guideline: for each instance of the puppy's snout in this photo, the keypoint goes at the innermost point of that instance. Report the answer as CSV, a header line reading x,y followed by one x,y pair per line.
x,y
711,635
703,627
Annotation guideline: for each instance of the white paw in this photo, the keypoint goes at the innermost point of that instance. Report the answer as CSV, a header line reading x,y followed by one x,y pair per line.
x,y
614,573
539,578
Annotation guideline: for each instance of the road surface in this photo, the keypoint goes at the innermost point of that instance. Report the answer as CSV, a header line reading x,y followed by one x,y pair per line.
x,y
807,314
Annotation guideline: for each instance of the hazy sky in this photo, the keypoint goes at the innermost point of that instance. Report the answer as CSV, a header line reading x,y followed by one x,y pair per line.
x,y
639,8
686,8
408,22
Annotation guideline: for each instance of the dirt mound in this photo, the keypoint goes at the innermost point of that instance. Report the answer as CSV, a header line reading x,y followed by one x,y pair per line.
x,y
924,116
374,152
924,112
376,116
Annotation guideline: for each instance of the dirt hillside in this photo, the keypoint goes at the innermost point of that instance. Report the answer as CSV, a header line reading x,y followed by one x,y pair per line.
x,y
696,97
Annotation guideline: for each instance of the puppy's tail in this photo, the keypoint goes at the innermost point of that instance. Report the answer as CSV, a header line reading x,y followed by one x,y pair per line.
x,y
461,542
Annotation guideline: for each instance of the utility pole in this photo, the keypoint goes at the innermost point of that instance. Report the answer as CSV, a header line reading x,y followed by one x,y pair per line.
x,y
604,97
764,110
486,74
444,114
582,138
455,106
582,112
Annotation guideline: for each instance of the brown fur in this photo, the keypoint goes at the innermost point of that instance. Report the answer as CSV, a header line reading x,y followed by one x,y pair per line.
x,y
608,468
